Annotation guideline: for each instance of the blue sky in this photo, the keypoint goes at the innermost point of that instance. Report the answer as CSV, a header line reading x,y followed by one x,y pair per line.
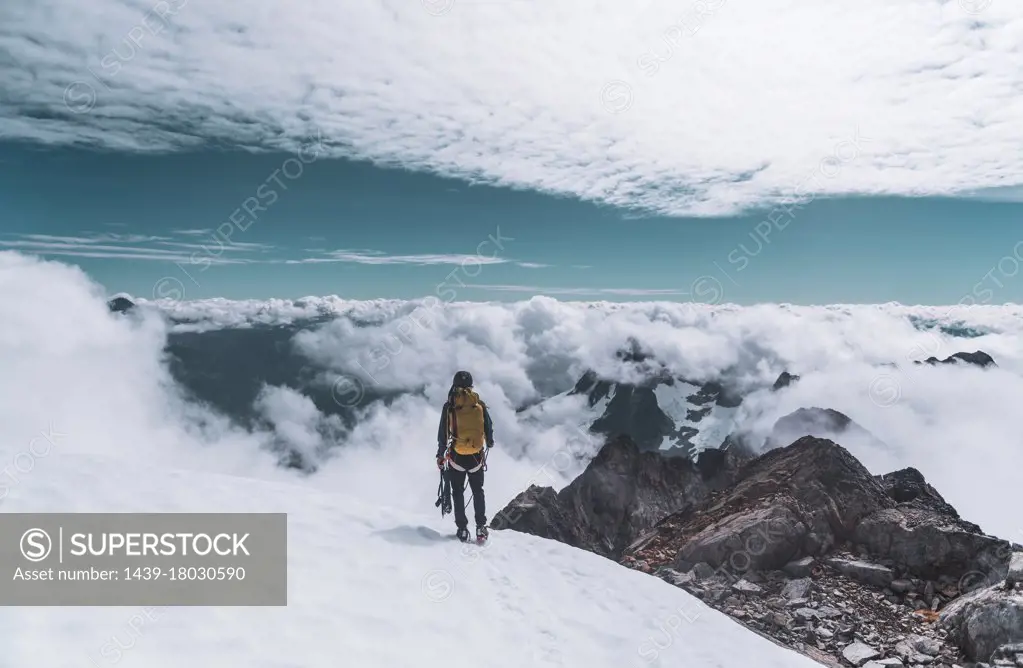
x,y
625,151
361,231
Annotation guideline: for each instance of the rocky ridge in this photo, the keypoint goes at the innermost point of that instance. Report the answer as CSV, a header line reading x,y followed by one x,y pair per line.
x,y
977,358
622,492
802,545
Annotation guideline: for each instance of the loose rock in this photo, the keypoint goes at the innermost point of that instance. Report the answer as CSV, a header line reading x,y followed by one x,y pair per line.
x,y
800,568
901,586
1015,574
797,589
984,620
746,587
866,572
858,653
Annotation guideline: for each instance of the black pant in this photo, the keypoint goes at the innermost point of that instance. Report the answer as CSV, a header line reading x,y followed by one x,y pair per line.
x,y
479,502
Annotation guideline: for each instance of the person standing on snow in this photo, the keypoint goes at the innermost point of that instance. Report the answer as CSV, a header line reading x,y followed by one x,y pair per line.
x,y
465,423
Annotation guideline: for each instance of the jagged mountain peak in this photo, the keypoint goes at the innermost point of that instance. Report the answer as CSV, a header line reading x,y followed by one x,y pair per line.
x,y
634,352
662,412
909,487
819,423
784,380
976,358
120,304
801,523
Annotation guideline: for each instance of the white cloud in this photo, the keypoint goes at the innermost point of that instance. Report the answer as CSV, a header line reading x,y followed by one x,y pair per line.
x,y
97,238
379,257
297,424
124,247
99,380
545,290
376,257
637,104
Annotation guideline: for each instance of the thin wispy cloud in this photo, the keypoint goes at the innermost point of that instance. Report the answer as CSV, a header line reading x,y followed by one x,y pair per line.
x,y
216,250
645,106
98,238
132,247
194,232
547,290
219,245
376,257
379,257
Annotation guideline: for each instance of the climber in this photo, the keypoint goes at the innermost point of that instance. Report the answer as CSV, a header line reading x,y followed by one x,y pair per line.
x,y
465,428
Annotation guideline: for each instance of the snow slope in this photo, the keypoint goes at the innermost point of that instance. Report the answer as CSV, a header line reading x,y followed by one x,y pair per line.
x,y
370,586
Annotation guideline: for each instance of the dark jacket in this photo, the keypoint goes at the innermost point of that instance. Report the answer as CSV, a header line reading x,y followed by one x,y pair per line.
x,y
442,428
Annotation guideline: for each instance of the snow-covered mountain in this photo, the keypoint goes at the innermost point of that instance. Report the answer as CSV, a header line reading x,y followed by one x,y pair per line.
x,y
680,417
670,414
370,585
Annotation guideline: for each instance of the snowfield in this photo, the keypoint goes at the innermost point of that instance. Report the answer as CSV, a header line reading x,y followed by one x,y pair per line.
x,y
369,586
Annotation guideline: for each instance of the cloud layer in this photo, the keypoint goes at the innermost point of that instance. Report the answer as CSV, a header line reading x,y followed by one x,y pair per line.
x,y
101,382
694,108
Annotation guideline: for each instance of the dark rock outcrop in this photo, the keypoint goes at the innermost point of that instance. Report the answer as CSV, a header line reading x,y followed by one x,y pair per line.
x,y
621,493
120,305
795,501
925,535
976,358
908,488
803,500
878,558
784,380
930,544
812,496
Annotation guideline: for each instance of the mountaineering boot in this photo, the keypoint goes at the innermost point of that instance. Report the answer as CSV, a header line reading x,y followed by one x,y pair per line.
x,y
462,535
481,534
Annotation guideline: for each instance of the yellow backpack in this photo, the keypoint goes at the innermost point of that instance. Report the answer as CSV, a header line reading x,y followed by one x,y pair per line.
x,y
465,421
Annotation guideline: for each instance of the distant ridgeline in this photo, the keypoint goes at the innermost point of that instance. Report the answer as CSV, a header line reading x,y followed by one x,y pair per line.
x,y
959,331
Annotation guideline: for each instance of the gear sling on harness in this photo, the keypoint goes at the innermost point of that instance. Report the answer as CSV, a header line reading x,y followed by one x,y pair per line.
x,y
444,488
444,494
